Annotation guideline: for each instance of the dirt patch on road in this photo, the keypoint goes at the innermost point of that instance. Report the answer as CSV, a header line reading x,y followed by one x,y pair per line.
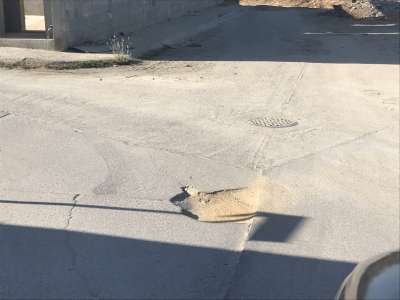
x,y
234,205
223,206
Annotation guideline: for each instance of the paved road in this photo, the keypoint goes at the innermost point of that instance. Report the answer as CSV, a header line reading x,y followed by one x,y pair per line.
x,y
90,159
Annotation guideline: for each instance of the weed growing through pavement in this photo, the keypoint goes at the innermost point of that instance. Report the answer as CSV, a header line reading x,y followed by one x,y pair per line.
x,y
120,45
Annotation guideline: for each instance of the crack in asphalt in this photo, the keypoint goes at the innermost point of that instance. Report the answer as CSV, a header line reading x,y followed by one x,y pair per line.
x,y
327,149
239,258
4,114
74,255
69,216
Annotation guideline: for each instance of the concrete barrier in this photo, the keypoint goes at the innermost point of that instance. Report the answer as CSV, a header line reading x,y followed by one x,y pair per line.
x,y
80,21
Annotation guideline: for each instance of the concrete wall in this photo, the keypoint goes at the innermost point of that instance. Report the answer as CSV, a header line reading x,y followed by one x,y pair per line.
x,y
33,7
79,21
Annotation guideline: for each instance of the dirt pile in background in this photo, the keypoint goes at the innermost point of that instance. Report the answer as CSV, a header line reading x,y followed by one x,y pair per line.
x,y
358,9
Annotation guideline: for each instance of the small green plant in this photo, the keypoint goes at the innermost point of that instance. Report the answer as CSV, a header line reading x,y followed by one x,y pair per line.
x,y
120,45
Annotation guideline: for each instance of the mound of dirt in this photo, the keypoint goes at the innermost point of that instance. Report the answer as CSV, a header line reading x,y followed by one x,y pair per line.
x,y
358,9
223,206
289,3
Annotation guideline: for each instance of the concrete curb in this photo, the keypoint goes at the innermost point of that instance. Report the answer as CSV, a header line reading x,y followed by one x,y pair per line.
x,y
23,58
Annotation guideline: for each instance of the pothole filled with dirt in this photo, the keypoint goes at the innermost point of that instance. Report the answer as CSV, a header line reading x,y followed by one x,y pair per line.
x,y
231,205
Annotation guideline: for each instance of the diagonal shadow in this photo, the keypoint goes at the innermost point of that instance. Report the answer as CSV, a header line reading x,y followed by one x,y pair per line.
x,y
116,208
267,226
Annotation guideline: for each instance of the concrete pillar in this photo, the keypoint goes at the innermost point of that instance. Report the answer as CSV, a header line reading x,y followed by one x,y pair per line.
x,y
48,13
2,19
57,11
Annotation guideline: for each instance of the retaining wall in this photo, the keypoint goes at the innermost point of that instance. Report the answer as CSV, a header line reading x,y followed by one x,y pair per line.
x,y
80,21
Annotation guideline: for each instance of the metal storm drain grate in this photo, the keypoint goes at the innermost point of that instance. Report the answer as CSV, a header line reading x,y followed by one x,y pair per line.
x,y
274,122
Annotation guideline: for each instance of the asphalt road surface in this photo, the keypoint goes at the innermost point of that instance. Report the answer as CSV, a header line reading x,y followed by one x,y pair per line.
x,y
89,161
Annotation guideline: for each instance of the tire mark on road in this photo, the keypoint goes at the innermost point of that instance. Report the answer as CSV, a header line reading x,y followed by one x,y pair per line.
x,y
289,100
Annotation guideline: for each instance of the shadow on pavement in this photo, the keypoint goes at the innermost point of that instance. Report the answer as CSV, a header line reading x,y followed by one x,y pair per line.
x,y
45,263
264,33
272,276
68,204
275,227
269,226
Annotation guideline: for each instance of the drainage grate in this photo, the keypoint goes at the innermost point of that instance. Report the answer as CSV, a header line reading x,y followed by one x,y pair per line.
x,y
274,122
3,114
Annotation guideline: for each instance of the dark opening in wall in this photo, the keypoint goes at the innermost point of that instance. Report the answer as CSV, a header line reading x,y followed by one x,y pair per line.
x,y
13,16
